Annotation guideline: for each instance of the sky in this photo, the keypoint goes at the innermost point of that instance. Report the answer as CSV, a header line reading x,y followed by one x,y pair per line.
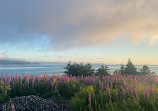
x,y
93,31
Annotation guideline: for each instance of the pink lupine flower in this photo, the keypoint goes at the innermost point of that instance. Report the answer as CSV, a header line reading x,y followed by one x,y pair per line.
x,y
89,99
116,79
54,80
102,86
70,75
52,85
111,85
42,77
1,76
94,78
39,79
109,93
107,85
135,91
144,93
123,92
99,83
82,76
12,82
18,77
106,78
117,96
8,81
68,79
56,87
5,92
147,94
6,74
21,79
155,90
33,80
13,107
57,76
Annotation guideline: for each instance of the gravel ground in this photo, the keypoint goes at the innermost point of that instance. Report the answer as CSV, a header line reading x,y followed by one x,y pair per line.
x,y
33,103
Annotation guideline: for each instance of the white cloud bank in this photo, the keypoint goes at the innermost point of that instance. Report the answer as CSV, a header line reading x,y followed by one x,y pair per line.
x,y
80,23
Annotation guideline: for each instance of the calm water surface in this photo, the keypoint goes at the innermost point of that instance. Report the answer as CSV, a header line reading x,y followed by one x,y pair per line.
x,y
53,68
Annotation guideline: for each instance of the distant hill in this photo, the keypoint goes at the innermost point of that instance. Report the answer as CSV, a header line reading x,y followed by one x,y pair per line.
x,y
15,62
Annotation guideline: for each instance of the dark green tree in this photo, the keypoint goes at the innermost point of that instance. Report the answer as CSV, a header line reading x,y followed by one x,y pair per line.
x,y
103,70
145,70
79,69
122,69
116,72
130,68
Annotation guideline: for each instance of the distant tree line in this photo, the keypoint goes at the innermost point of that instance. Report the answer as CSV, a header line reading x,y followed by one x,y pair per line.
x,y
131,69
76,69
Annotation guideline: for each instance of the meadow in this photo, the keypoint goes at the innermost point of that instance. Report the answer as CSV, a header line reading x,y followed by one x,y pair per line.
x,y
87,93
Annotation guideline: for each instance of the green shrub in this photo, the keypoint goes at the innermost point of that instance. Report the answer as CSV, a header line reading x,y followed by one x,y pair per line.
x,y
68,90
79,69
4,91
41,88
21,90
80,101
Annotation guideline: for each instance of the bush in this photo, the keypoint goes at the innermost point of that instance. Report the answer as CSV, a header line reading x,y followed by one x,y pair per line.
x,y
24,89
79,69
21,90
4,91
99,100
68,90
80,101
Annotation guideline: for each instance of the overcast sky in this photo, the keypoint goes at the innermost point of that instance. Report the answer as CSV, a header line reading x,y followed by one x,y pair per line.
x,y
97,31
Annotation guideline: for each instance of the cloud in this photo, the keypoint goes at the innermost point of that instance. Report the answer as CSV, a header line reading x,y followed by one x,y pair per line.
x,y
70,24
2,56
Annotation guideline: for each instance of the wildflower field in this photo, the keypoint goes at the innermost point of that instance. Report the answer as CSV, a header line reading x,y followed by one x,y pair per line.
x,y
87,93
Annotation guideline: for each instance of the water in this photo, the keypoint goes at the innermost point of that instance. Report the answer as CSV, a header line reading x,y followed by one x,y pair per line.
x,y
54,68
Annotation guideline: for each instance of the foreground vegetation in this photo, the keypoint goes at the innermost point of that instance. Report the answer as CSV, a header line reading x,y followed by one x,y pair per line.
x,y
87,93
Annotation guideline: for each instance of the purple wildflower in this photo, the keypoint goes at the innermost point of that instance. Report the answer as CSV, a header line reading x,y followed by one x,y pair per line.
x,y
109,93
13,107
147,94
21,79
123,92
144,93
107,85
52,85
111,85
89,99
68,79
102,86
5,92
117,97
135,91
